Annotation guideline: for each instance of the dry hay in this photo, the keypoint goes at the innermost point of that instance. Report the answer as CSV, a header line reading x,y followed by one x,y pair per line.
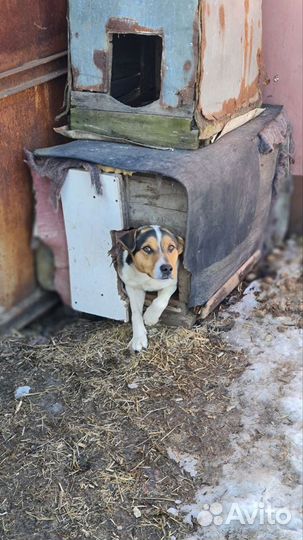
x,y
85,455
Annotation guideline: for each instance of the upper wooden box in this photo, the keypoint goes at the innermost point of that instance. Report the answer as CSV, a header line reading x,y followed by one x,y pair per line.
x,y
163,72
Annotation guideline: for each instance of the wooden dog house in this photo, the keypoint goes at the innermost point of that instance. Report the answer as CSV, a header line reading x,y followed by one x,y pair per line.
x,y
161,72
218,198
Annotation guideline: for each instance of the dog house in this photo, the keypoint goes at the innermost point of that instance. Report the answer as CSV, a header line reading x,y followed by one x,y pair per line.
x,y
160,72
219,198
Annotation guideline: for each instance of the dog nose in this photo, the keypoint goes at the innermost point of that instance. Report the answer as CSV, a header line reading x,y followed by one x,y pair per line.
x,y
166,268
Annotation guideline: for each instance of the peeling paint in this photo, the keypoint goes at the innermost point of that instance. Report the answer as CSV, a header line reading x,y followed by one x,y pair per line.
x,y
246,37
75,73
101,61
123,25
251,45
238,67
248,95
186,95
222,18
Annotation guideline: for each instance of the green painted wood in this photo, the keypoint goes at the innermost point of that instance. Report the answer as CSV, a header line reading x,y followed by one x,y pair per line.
x,y
146,129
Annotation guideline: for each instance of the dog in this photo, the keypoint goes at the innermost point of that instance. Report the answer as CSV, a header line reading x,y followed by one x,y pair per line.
x,y
148,262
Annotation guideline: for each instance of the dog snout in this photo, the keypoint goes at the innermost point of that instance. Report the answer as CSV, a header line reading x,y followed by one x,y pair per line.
x,y
166,269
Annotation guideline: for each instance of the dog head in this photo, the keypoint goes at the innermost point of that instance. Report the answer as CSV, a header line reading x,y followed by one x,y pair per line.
x,y
153,250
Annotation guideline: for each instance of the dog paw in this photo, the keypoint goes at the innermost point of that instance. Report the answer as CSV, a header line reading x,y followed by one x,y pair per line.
x,y
139,342
150,317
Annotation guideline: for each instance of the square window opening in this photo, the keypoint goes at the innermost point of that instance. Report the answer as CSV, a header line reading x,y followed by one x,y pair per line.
x,y
136,69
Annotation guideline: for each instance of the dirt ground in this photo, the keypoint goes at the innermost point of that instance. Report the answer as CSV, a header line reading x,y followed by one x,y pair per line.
x,y
112,445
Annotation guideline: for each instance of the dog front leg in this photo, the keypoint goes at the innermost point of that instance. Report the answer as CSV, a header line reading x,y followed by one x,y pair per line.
x,y
136,299
155,310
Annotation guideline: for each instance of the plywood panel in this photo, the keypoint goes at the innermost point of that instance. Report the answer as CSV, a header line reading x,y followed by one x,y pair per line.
x,y
89,219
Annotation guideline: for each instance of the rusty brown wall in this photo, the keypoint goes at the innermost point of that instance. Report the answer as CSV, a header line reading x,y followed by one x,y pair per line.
x,y
32,81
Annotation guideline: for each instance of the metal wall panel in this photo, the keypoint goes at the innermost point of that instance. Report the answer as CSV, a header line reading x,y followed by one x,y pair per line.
x,y
31,29
32,81
26,122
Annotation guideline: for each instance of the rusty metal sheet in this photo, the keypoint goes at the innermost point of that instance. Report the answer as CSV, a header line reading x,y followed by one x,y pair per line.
x,y
26,120
33,63
92,22
230,64
31,29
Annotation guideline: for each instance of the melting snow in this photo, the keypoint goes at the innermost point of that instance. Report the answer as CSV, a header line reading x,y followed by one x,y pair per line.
x,y
261,479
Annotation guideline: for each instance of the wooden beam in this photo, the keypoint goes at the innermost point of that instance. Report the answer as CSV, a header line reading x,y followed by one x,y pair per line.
x,y
147,129
104,102
29,309
230,285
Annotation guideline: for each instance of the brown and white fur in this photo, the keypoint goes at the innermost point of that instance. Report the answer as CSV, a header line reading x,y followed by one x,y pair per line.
x,y
149,262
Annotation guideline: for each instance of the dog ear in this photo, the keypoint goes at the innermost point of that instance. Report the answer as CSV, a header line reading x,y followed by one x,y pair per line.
x,y
128,240
180,245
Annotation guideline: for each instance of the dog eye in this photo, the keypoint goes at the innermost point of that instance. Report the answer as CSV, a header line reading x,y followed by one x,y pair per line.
x,y
171,248
147,250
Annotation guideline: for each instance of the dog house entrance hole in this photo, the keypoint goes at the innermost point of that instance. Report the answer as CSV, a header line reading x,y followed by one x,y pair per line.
x,y
136,68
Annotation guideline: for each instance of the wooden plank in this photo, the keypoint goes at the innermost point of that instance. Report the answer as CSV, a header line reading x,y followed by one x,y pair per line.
x,y
105,102
143,214
154,199
157,192
161,131
26,311
230,285
89,219
184,278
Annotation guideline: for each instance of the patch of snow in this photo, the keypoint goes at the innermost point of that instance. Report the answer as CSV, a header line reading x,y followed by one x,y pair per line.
x,y
137,512
173,511
261,479
187,462
132,386
22,391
